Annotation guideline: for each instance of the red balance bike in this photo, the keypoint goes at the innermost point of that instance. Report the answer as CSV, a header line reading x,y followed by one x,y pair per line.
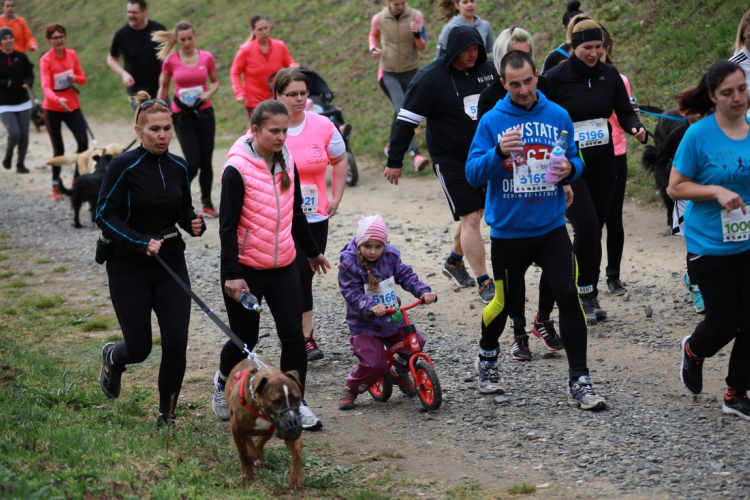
x,y
420,366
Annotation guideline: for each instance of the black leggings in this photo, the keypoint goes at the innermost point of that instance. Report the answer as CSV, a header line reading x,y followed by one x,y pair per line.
x,y
281,289
196,135
615,231
320,233
725,284
138,285
75,121
554,254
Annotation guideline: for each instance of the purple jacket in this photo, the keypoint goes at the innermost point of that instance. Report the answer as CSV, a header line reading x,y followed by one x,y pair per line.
x,y
353,280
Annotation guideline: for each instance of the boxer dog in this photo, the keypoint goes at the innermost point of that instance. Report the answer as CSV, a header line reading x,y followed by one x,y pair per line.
x,y
263,402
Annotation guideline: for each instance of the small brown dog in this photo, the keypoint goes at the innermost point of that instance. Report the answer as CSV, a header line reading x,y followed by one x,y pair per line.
x,y
264,402
85,162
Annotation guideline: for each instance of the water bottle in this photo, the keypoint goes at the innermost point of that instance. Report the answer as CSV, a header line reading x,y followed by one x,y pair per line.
x,y
250,302
633,102
558,155
519,163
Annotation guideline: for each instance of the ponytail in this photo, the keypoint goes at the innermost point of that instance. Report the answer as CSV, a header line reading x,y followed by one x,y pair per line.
x,y
372,282
167,40
253,21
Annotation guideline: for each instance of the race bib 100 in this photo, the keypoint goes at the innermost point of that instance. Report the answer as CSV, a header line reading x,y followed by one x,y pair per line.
x,y
735,226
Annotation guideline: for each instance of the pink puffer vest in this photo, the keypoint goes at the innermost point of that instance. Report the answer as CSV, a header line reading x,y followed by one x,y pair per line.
x,y
264,233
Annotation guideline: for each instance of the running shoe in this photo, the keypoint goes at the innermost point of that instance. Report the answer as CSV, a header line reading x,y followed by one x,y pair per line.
x,y
404,382
6,162
420,163
616,287
210,212
458,274
165,420
313,353
601,314
489,378
346,400
736,403
309,421
111,374
219,403
691,372
695,294
520,350
581,392
487,291
55,193
545,330
20,169
587,301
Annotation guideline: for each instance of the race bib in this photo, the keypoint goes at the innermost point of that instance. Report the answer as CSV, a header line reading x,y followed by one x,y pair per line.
x,y
735,225
62,80
190,96
309,198
386,293
591,133
471,105
532,177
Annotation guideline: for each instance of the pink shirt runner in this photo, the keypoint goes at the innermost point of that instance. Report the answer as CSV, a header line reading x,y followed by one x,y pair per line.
x,y
187,80
618,134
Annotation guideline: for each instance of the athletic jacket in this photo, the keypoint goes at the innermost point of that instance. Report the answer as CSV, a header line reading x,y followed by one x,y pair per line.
x,y
16,69
256,67
447,97
52,72
21,32
353,283
482,26
143,196
743,59
589,93
520,215
555,57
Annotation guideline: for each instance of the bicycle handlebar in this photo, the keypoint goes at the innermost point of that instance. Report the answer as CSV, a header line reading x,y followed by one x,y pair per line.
x,y
369,314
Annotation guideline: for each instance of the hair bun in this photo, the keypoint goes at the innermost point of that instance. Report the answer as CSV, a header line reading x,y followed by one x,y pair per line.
x,y
141,97
574,6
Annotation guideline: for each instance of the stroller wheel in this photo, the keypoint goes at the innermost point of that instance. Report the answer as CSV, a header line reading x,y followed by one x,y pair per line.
x,y
352,175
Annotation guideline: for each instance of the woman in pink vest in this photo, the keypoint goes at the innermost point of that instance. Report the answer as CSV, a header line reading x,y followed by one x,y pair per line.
x,y
260,219
314,143
256,60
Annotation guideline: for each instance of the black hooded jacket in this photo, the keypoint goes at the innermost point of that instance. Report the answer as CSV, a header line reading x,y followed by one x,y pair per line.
x,y
439,92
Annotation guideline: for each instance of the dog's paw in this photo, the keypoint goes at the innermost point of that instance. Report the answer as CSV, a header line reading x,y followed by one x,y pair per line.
x,y
297,483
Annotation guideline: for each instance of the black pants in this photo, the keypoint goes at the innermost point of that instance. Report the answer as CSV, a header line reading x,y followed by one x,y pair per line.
x,y
320,233
554,254
281,289
138,285
75,121
615,231
196,135
725,284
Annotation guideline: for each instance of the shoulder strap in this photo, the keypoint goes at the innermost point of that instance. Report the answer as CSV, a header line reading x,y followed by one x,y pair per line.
x,y
561,51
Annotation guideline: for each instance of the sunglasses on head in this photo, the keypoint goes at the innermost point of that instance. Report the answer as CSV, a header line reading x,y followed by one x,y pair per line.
x,y
148,104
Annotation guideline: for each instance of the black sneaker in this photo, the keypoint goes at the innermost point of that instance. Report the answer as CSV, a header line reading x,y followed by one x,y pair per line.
x,y
109,378
520,349
587,301
458,274
313,353
545,330
616,287
600,313
736,403
691,372
20,169
487,291
165,420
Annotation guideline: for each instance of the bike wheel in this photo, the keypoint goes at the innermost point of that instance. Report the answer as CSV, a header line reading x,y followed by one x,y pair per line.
x,y
352,174
428,385
382,390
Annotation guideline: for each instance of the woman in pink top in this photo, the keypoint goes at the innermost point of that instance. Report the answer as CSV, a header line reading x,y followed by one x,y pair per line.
x,y
192,110
314,143
256,60
59,71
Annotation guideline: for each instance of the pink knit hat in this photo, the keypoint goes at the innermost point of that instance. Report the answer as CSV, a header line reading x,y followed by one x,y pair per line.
x,y
371,228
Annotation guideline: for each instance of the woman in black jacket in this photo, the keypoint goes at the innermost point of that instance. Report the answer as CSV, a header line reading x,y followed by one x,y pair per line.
x,y
16,78
590,91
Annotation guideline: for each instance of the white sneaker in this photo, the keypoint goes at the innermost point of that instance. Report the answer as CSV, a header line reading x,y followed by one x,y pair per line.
x,y
489,378
581,392
309,421
218,403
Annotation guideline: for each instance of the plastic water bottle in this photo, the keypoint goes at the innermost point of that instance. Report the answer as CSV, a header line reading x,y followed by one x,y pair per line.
x,y
633,102
519,162
250,302
557,156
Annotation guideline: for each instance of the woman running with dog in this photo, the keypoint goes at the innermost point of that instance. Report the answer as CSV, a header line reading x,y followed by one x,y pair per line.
x,y
144,196
314,143
261,219
590,91
192,109
256,60
16,78
711,170
59,71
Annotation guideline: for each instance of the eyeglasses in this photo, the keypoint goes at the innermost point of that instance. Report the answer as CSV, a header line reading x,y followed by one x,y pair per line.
x,y
746,38
148,104
56,38
293,95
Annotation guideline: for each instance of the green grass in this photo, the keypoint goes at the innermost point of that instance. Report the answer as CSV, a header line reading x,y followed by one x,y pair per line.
x,y
60,269
44,260
521,489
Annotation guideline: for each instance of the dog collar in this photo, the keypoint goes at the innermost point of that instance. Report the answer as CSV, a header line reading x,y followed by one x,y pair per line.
x,y
241,376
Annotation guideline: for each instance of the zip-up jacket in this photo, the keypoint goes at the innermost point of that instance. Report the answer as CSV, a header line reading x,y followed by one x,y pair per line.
x,y
588,93
50,66
443,95
555,57
143,196
258,222
21,32
520,215
743,59
16,69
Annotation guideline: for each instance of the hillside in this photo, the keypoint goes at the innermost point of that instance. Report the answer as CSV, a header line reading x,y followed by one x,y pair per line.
x,y
661,46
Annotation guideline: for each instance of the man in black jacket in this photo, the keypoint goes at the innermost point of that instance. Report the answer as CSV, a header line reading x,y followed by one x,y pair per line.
x,y
446,93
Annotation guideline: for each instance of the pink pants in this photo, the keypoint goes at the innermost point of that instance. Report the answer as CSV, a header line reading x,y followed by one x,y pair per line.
x,y
373,364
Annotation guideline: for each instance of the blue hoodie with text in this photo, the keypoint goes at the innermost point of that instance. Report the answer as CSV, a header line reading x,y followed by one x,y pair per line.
x,y
520,215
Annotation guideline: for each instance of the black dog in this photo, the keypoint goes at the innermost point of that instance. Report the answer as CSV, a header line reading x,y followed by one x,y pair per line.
x,y
86,188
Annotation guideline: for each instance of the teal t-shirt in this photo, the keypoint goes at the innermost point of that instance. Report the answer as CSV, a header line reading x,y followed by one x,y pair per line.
x,y
709,157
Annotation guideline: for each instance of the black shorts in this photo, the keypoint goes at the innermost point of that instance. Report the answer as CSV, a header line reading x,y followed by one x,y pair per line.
x,y
463,198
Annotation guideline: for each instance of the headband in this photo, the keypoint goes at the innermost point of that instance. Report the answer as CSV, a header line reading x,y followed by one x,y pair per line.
x,y
589,35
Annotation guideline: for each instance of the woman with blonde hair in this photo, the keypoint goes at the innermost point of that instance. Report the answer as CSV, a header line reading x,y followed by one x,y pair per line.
x,y
742,46
192,110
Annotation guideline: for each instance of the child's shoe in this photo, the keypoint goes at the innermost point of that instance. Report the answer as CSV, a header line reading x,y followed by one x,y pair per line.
x,y
346,400
404,382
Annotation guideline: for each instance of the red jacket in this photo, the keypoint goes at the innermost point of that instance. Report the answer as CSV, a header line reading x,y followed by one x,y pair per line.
x,y
21,32
49,66
256,66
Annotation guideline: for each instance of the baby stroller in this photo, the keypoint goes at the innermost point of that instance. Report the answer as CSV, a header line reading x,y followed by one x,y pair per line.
x,y
321,97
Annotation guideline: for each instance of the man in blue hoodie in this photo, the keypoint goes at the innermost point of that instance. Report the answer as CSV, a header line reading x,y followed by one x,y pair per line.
x,y
528,223
446,93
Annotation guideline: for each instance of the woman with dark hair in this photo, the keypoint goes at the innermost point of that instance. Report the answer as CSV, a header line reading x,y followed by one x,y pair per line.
x,y
261,220
16,78
742,46
144,195
59,71
314,143
461,13
192,109
561,53
711,169
256,60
